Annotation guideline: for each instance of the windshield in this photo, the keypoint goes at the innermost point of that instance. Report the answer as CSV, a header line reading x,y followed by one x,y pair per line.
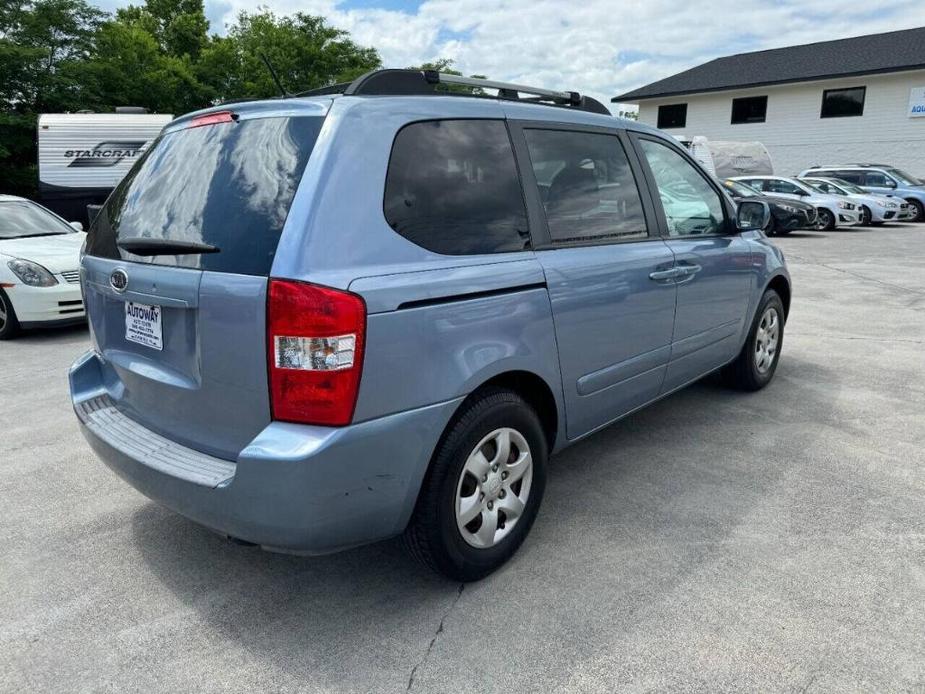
x,y
21,219
227,185
821,188
743,190
904,178
850,188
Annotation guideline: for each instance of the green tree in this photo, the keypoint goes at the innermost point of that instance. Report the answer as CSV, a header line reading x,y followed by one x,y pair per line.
x,y
304,50
42,43
39,41
180,27
130,68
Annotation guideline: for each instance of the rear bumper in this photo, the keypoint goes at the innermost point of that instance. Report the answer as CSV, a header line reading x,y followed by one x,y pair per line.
x,y
294,488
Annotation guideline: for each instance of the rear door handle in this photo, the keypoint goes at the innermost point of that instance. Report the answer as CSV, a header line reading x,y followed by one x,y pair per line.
x,y
665,275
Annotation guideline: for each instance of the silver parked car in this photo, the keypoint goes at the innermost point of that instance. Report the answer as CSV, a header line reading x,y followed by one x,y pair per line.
x,y
326,320
875,209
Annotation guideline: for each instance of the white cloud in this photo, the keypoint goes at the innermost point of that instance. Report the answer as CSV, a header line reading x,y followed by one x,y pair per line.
x,y
598,47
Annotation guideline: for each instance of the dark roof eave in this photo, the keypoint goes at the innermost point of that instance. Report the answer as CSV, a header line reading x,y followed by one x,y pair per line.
x,y
633,97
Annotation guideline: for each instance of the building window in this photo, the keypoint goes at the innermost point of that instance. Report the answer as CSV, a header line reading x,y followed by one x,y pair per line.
x,y
672,116
750,109
838,103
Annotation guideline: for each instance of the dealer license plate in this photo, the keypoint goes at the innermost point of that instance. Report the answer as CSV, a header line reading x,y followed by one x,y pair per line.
x,y
143,325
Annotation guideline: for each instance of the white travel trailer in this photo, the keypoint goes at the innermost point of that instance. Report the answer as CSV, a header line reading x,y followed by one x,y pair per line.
x,y
725,159
83,156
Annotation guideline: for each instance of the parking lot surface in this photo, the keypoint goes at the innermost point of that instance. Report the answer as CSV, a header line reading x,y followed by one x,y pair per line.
x,y
715,541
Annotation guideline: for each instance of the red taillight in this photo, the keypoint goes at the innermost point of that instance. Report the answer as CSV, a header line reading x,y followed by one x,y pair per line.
x,y
315,338
212,119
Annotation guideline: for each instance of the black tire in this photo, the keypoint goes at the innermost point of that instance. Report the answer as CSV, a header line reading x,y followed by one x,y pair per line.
x,y
432,536
919,210
744,373
770,229
9,326
825,220
865,216
782,232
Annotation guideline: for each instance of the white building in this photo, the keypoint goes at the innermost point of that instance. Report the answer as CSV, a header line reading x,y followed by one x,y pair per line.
x,y
851,100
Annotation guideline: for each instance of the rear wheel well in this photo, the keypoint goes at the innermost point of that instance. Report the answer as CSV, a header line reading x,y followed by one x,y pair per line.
x,y
535,391
780,285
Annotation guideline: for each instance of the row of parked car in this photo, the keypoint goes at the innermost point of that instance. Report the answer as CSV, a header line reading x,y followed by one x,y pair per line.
x,y
827,197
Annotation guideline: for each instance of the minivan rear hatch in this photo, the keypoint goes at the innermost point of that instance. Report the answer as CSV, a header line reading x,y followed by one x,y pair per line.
x,y
175,274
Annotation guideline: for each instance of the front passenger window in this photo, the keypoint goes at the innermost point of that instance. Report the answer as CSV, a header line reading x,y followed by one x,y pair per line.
x,y
878,180
691,205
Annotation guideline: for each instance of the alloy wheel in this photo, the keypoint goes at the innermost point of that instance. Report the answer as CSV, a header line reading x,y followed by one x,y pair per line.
x,y
823,219
493,488
919,209
767,338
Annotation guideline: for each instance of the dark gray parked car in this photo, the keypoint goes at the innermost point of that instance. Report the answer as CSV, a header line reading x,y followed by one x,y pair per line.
x,y
322,321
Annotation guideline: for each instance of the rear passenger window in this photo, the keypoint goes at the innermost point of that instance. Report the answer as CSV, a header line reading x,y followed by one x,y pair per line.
x,y
452,187
586,186
850,176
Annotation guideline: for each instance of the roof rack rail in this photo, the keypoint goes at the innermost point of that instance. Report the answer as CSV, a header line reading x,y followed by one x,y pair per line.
x,y
422,82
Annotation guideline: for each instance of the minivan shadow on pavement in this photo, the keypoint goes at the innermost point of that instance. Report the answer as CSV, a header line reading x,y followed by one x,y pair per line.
x,y
640,508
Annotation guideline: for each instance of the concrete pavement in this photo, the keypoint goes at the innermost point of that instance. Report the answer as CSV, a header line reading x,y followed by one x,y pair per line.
x,y
715,541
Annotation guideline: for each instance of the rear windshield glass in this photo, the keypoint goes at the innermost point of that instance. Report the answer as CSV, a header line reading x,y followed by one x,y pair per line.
x,y
228,185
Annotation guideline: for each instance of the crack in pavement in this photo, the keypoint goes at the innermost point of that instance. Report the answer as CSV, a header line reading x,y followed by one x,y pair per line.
x,y
433,641
860,337
856,275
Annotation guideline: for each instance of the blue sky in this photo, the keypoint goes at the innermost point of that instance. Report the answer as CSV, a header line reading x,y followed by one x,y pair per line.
x,y
599,47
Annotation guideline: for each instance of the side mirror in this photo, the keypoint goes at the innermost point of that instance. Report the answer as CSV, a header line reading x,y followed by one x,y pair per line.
x,y
753,215
890,183
76,226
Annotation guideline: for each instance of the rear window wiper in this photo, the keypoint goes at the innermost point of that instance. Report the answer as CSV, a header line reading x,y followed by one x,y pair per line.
x,y
146,246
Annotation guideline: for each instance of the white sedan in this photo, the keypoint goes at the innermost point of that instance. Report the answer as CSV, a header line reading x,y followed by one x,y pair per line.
x,y
39,267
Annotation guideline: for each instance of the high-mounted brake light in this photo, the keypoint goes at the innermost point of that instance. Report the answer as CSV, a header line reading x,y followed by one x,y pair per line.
x,y
212,119
315,340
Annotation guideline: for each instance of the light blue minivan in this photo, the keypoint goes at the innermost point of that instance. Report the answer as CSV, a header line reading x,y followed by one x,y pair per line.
x,y
377,309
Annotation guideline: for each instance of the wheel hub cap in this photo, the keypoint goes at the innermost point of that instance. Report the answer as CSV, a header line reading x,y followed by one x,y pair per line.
x,y
493,489
767,338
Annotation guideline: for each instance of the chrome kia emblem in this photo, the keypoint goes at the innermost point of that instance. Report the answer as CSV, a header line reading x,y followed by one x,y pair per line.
x,y
118,280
